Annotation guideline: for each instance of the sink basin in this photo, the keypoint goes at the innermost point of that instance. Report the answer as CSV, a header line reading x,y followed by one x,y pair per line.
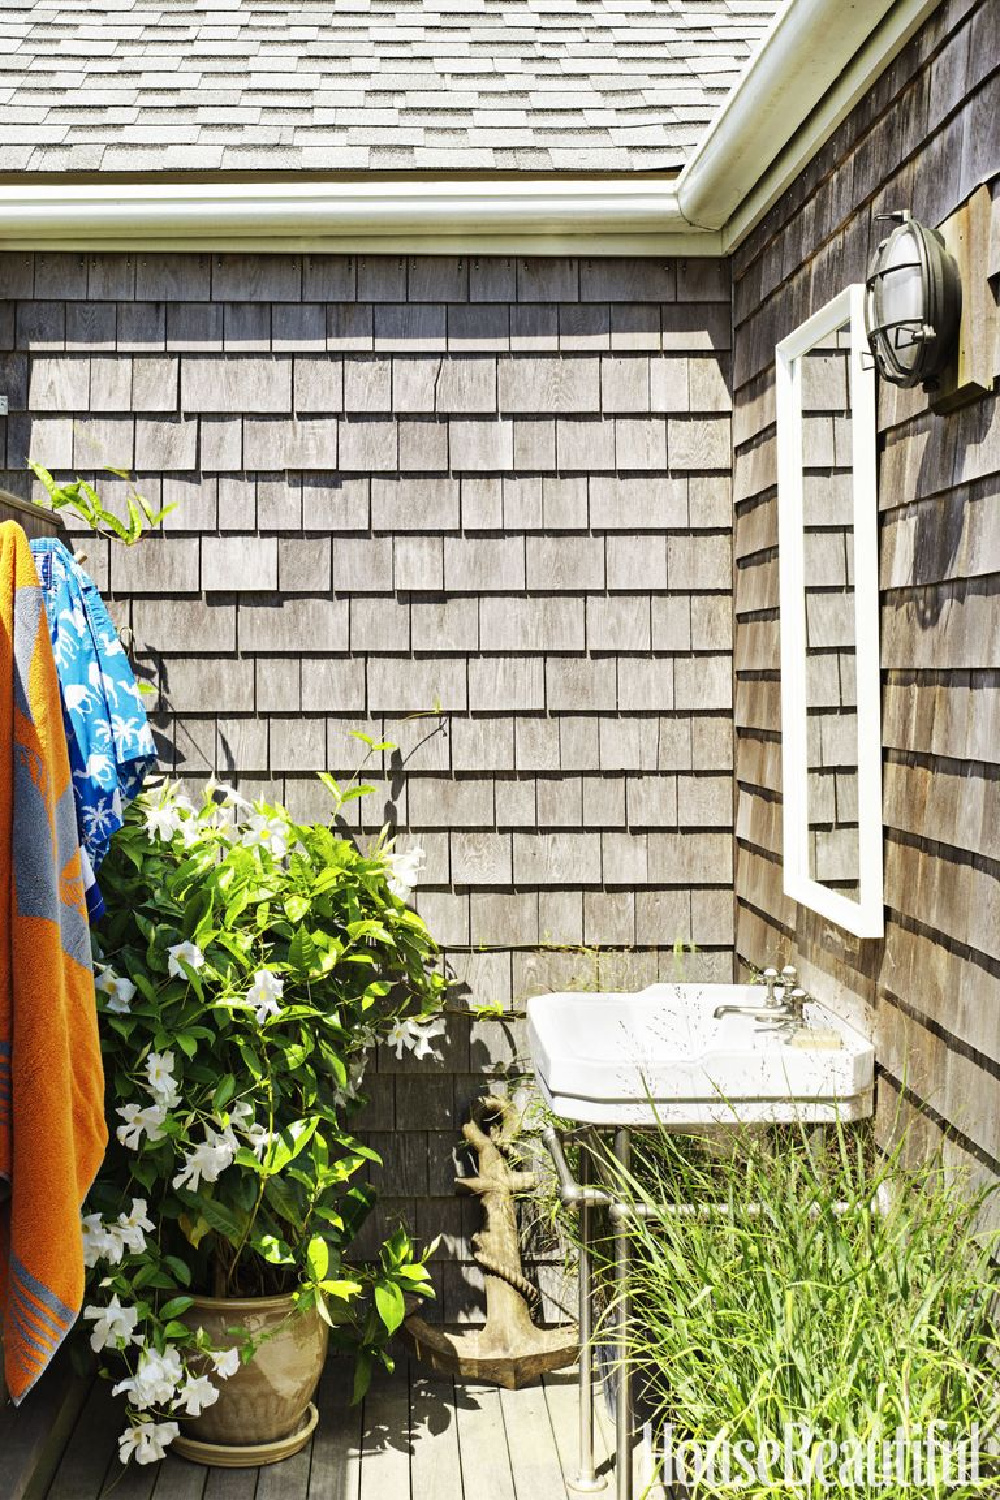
x,y
661,1057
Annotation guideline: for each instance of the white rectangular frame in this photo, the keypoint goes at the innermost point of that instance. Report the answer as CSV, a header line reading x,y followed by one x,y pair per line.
x,y
866,916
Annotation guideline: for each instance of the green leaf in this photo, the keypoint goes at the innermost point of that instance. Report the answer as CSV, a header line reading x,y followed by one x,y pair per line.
x,y
175,1307
330,785
343,1290
328,1215
296,907
180,1268
225,1091
362,1378
317,1257
251,1059
224,1221
390,1304
282,1198
273,1250
302,951
288,1145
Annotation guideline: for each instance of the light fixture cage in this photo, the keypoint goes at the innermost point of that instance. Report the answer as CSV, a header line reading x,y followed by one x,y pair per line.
x,y
913,351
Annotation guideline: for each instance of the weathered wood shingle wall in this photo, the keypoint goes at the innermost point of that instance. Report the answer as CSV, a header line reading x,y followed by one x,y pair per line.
x,y
924,138
499,490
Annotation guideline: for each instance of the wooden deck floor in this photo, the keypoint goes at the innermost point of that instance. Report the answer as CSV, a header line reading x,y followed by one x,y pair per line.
x,y
416,1437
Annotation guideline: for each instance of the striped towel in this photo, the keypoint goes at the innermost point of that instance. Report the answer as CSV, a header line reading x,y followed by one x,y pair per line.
x,y
52,1130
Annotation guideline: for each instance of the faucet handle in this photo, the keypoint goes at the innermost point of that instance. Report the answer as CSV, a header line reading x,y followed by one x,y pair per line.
x,y
795,1000
770,977
789,976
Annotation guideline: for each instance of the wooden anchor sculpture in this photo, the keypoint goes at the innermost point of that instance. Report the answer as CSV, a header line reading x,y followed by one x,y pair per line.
x,y
510,1349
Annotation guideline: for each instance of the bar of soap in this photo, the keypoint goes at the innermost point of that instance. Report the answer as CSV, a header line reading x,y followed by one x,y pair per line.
x,y
817,1039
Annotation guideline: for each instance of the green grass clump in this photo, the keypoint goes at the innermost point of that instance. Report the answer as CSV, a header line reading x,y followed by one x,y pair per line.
x,y
858,1297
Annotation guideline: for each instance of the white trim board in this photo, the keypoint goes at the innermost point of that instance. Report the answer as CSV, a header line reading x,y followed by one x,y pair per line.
x,y
866,916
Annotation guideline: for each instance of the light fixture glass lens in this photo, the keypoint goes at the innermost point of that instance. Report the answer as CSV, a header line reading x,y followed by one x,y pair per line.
x,y
902,299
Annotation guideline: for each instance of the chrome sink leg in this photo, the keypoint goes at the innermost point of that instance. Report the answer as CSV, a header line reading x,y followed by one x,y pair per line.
x,y
623,1401
586,1482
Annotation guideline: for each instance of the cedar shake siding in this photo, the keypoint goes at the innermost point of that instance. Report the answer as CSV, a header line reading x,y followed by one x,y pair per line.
x,y
924,138
481,508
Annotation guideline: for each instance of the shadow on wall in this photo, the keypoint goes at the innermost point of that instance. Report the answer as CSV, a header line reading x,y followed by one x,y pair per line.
x,y
938,528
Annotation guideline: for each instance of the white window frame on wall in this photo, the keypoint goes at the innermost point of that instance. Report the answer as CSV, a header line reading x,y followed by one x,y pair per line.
x,y
866,916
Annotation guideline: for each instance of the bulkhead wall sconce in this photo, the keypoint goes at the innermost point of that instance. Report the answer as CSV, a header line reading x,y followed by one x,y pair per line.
x,y
913,304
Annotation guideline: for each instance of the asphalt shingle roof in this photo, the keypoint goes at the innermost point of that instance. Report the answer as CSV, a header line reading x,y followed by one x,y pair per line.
x,y
362,85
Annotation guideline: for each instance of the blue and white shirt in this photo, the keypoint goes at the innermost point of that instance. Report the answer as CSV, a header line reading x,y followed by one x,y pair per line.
x,y
111,748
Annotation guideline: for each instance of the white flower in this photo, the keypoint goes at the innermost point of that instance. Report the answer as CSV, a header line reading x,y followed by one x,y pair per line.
x,y
423,1034
147,1440
226,1363
209,1160
114,1325
162,1084
99,1242
416,1036
241,1118
156,1380
260,1139
150,1119
118,992
162,822
190,832
342,1097
230,797
264,994
190,953
134,1226
269,833
404,871
197,1393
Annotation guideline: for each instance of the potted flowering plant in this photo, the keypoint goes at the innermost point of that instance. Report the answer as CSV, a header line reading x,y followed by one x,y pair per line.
x,y
247,966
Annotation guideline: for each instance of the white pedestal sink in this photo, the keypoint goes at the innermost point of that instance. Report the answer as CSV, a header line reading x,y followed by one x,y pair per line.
x,y
661,1057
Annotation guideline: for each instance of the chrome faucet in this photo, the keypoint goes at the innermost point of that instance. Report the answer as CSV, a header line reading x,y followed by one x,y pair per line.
x,y
789,1007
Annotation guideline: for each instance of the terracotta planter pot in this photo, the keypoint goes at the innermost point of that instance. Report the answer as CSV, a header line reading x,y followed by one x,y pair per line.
x,y
267,1402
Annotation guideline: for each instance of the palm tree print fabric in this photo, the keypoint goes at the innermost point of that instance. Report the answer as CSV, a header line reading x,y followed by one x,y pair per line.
x,y
111,748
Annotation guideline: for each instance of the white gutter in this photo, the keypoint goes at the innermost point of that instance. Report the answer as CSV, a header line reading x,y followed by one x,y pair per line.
x,y
814,64
884,42
618,216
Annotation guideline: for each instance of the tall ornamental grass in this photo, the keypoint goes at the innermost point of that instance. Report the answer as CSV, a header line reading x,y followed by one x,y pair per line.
x,y
839,1290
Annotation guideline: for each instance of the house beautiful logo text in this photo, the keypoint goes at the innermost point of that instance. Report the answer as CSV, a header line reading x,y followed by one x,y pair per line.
x,y
802,1459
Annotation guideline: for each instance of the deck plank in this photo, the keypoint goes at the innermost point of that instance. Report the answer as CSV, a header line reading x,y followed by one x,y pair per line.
x,y
229,1484
385,1452
179,1480
417,1436
34,1434
436,1464
483,1442
92,1448
288,1480
561,1399
534,1458
133,1482
336,1447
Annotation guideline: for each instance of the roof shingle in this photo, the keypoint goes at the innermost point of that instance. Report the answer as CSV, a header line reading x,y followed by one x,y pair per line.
x,y
447,85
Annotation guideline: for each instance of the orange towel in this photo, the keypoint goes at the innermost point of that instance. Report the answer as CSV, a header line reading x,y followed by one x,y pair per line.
x,y
52,1130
